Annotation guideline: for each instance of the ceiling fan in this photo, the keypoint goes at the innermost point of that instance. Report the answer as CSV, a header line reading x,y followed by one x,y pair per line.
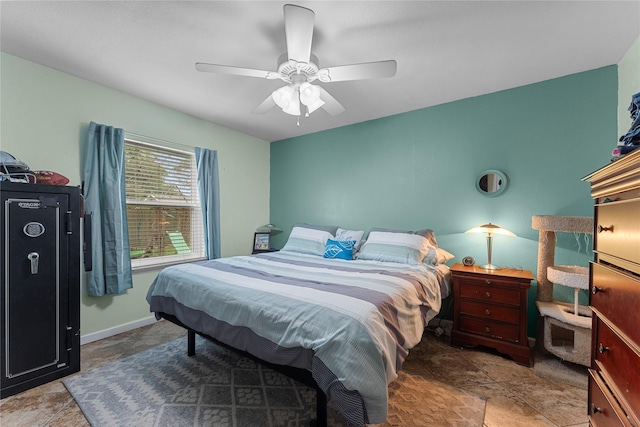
x,y
298,67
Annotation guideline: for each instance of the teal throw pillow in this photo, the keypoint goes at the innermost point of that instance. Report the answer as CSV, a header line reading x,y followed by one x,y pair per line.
x,y
342,249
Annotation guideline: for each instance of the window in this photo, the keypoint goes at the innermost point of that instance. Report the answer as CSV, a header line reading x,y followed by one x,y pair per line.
x,y
163,209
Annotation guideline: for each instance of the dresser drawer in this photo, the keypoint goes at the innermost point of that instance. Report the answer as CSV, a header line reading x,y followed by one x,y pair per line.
x,y
619,364
488,293
612,289
618,229
604,411
489,311
500,331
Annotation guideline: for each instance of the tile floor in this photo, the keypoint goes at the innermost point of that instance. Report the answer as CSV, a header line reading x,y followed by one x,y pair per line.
x,y
515,395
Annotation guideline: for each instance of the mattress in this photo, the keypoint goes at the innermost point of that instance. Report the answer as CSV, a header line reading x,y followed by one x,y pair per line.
x,y
351,323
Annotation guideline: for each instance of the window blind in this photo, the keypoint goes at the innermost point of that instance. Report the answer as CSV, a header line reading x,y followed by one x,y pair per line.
x,y
163,208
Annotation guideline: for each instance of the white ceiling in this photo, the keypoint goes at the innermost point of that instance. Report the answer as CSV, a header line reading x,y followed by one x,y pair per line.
x,y
445,50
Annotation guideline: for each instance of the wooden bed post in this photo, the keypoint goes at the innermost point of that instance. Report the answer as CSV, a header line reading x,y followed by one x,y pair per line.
x,y
191,342
321,408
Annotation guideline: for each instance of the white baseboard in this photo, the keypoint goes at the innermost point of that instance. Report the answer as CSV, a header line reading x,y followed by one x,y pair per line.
x,y
106,333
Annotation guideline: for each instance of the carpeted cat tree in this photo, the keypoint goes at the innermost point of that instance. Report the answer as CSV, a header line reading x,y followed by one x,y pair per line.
x,y
567,327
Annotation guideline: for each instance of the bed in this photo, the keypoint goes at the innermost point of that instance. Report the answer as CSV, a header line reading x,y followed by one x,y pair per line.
x,y
348,322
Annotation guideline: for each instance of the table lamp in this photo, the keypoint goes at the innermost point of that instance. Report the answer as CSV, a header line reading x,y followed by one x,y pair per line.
x,y
490,230
268,228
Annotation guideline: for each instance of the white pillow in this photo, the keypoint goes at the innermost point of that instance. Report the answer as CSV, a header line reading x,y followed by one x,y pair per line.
x,y
307,241
395,247
346,235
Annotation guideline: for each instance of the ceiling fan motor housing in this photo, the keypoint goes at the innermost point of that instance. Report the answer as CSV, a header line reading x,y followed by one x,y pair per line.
x,y
289,68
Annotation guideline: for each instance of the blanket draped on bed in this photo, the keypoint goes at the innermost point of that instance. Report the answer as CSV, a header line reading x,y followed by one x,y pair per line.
x,y
351,323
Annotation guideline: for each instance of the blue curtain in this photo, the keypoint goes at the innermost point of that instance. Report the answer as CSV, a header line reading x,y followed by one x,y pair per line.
x,y
209,191
105,200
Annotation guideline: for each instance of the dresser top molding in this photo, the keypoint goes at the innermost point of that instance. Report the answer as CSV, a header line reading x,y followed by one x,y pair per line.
x,y
617,177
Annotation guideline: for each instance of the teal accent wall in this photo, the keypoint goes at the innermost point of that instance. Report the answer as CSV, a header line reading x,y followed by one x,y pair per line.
x,y
418,170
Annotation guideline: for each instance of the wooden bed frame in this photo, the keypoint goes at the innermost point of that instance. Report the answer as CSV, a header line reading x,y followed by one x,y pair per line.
x,y
298,374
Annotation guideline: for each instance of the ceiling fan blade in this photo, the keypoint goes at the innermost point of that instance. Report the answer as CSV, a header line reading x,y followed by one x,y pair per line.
x,y
236,71
298,31
331,106
367,70
265,106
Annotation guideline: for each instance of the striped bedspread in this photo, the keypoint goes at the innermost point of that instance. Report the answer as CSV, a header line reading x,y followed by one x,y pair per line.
x,y
351,323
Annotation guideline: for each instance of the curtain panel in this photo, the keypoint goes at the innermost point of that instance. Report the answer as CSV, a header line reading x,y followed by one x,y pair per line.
x,y
209,192
105,200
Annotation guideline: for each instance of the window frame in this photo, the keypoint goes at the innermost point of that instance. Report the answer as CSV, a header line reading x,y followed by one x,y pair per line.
x,y
197,254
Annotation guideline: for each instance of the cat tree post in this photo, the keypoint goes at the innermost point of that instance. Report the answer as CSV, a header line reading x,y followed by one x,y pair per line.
x,y
546,256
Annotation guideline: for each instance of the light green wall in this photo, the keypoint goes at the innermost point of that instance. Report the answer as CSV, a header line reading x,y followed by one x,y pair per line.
x,y
44,116
417,170
628,85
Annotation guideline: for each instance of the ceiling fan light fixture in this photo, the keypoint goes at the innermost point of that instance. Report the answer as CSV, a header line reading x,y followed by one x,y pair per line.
x,y
283,96
294,105
309,94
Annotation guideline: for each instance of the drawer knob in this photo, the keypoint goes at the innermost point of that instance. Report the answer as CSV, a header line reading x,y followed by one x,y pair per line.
x,y
595,409
488,294
487,311
601,228
602,348
595,289
488,282
487,329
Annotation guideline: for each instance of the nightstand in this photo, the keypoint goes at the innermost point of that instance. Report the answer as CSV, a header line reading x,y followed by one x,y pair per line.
x,y
490,309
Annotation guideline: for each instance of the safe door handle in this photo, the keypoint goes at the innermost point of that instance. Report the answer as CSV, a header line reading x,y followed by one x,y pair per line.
x,y
33,257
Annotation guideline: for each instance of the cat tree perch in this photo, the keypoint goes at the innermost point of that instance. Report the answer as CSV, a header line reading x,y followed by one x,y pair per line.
x,y
567,329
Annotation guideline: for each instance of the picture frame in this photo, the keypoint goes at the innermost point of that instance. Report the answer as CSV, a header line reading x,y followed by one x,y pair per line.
x,y
261,242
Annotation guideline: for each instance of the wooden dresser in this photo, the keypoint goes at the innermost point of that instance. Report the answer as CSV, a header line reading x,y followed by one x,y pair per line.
x,y
490,309
614,383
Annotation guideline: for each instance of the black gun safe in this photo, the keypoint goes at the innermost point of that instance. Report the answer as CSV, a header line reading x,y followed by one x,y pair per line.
x,y
40,296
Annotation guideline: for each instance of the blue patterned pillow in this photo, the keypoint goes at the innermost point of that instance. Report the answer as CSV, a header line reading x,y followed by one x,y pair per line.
x,y
342,249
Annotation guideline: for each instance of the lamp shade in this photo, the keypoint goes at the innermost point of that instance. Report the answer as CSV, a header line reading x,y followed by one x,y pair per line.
x,y
490,229
283,96
294,106
309,94
268,228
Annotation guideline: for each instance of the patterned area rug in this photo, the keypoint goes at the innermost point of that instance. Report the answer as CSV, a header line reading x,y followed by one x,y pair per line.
x,y
164,387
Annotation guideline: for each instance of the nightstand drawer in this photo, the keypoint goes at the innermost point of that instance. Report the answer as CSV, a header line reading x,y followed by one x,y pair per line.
x,y
489,311
604,411
500,331
619,363
483,292
612,289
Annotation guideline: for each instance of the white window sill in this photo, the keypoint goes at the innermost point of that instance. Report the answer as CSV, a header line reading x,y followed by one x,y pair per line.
x,y
145,264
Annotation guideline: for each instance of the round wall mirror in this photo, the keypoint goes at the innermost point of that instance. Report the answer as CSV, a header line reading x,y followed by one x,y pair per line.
x,y
491,183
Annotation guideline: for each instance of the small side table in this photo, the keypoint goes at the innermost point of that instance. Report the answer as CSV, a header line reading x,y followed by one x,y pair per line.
x,y
490,309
